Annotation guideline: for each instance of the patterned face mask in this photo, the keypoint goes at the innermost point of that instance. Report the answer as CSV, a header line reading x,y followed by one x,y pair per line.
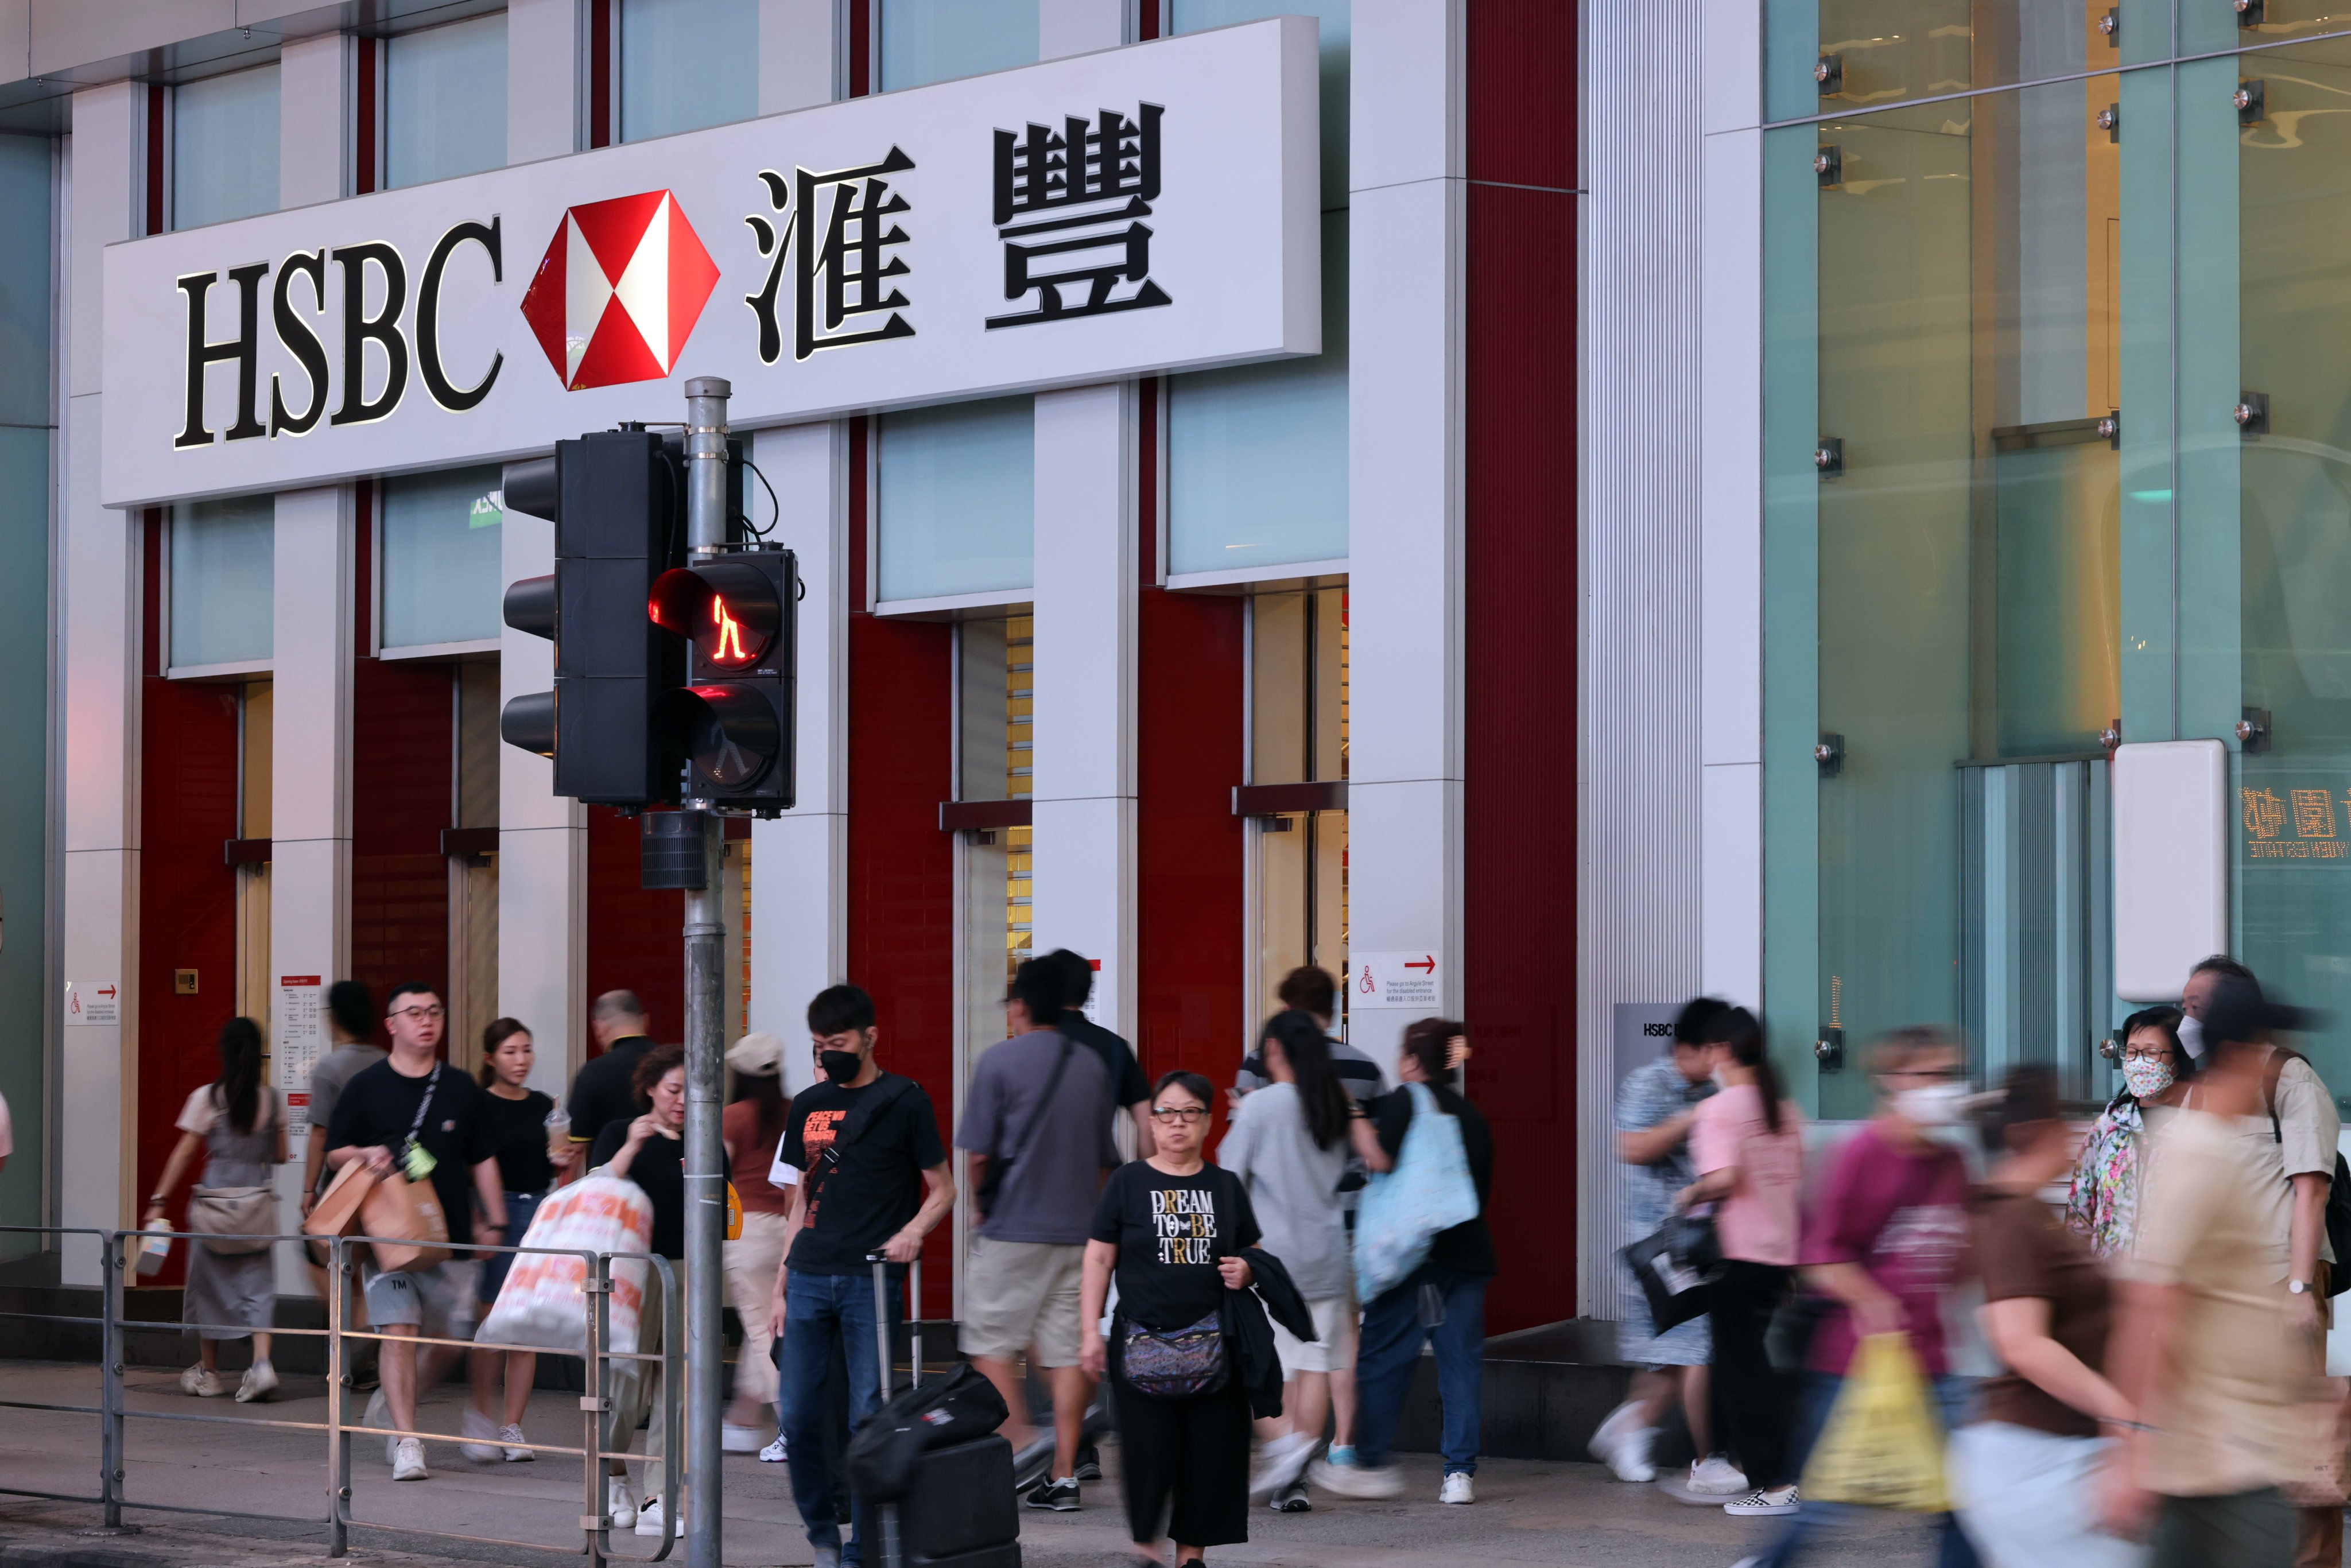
x,y
2146,1078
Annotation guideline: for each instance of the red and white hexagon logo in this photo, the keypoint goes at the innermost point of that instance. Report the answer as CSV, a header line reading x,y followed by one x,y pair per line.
x,y
619,291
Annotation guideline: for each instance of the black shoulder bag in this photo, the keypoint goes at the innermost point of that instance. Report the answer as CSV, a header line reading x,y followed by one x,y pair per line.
x,y
997,1169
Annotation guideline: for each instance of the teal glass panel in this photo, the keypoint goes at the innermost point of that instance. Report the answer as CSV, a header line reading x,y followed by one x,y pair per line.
x,y
26,443
956,499
25,291
687,64
224,554
1336,23
445,102
926,41
225,148
442,581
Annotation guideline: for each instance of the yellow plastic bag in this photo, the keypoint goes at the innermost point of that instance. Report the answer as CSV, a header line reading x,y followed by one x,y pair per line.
x,y
1882,1445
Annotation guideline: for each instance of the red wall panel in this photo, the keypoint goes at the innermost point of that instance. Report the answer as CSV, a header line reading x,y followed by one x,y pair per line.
x,y
402,737
636,938
1519,869
902,927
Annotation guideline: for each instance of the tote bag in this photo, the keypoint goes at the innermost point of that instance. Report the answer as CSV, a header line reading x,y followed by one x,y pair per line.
x,y
544,1301
1402,1210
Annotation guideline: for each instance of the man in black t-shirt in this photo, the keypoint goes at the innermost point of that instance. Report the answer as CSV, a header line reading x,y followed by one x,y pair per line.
x,y
605,1091
414,1114
1127,1085
872,1178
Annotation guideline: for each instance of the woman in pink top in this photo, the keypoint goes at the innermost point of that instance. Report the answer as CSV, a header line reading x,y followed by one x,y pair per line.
x,y
1748,1146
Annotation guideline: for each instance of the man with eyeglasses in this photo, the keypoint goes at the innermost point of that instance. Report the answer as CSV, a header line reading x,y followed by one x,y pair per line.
x,y
415,1114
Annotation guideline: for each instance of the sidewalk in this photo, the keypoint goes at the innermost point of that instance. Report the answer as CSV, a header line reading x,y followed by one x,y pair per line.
x,y
1527,1512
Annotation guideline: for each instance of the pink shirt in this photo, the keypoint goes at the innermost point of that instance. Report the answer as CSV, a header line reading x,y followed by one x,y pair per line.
x,y
1759,1222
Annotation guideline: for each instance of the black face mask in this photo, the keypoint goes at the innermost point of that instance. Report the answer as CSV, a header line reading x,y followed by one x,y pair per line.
x,y
841,1066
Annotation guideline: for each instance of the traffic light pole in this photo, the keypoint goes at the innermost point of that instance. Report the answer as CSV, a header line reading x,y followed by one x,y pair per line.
x,y
706,1021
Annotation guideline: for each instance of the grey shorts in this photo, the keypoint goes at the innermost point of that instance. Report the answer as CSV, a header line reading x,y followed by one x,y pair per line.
x,y
438,1303
1019,1294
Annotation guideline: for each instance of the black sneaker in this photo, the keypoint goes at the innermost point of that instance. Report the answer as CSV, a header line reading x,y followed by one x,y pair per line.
x,y
1291,1498
1089,1463
1061,1496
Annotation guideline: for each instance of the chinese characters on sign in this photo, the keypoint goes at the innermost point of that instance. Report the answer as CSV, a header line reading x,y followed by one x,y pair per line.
x,y
1075,187
2312,814
842,250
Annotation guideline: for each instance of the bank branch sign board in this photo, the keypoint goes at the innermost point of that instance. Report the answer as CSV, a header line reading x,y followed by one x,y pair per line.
x,y
1114,214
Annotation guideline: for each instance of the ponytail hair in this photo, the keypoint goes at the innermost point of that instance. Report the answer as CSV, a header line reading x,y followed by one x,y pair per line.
x,y
1737,1030
239,1084
1320,1095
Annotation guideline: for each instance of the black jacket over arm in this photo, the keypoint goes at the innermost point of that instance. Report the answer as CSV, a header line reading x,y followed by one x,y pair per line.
x,y
1248,1334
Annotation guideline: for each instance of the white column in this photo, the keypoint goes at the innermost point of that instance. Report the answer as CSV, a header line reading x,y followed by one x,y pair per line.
x,y
314,141
547,61
800,862
802,58
99,664
1086,565
1404,510
1731,518
1080,26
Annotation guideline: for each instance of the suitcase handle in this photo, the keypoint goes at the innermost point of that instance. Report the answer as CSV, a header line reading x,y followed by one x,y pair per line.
x,y
882,1320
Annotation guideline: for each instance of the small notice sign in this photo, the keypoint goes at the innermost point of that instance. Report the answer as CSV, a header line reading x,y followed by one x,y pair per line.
x,y
93,1002
299,1040
1406,979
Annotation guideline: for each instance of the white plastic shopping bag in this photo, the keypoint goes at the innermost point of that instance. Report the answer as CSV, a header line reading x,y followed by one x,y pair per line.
x,y
542,1302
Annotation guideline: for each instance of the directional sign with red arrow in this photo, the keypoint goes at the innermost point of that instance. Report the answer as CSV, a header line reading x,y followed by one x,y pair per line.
x,y
1408,979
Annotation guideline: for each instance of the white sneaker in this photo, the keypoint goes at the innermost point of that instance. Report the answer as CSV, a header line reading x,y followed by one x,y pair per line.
x,y
202,1382
378,1414
260,1381
480,1432
1716,1476
408,1461
1458,1488
649,1517
620,1501
774,1453
1765,1502
513,1453
1358,1481
734,1439
1280,1462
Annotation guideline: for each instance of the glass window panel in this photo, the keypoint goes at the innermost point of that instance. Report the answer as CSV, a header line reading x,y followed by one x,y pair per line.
x,y
1829,55
26,224
224,554
225,148
935,40
445,102
685,64
958,498
1257,455
442,578
1335,17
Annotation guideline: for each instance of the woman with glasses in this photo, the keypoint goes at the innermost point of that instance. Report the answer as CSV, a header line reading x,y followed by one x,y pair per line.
x,y
1170,1228
2102,1206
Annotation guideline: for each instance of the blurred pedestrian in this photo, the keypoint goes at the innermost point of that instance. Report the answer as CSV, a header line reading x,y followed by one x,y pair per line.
x,y
1748,1146
1882,1247
1168,1229
1129,1089
2026,1473
351,1026
237,1125
754,1129
1036,1136
528,1167
2102,1203
604,1092
1288,1145
649,1149
1441,1304
1656,1104
2211,1347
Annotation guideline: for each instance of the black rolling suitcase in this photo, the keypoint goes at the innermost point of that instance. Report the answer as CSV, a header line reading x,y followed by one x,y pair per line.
x,y
949,1506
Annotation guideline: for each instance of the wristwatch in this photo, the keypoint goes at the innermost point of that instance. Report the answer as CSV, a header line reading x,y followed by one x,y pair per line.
x,y
2299,1287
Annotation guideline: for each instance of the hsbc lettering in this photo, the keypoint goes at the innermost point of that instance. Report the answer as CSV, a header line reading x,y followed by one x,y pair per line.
x,y
360,266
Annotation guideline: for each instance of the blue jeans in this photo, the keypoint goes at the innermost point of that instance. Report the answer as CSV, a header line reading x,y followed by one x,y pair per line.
x,y
1390,1350
827,1315
1819,1392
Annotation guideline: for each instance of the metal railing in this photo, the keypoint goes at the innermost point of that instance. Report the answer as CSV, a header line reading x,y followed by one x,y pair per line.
x,y
112,1497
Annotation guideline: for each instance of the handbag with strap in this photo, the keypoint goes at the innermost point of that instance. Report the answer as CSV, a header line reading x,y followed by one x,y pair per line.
x,y
234,1221
999,1169
1403,1210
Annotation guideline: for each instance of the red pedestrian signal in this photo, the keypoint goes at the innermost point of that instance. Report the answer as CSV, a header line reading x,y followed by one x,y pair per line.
x,y
732,720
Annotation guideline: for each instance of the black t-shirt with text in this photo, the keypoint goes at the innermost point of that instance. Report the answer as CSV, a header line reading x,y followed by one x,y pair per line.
x,y
1468,1247
1170,1231
1127,1084
602,1093
518,1134
659,1169
379,1106
863,1192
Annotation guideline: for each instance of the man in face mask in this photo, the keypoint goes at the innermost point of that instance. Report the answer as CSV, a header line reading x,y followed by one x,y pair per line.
x,y
1883,1244
872,1178
2196,996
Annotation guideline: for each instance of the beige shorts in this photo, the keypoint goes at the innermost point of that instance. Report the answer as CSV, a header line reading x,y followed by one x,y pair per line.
x,y
1334,1349
1018,1294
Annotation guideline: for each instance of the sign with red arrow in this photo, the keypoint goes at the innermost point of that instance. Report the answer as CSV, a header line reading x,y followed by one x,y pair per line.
x,y
1403,979
93,1002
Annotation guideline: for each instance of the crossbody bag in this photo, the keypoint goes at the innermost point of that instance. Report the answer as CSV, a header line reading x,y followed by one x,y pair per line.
x,y
999,1169
234,1221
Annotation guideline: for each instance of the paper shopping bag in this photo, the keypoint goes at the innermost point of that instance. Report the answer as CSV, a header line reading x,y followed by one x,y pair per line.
x,y
1882,1445
405,1220
337,1212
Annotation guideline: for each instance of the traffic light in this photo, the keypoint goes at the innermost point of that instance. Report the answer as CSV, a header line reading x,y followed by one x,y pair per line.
x,y
732,718
617,500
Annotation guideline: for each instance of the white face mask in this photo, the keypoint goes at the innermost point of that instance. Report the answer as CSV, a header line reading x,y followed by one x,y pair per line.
x,y
1719,1081
2191,1036
2146,1079
1936,1105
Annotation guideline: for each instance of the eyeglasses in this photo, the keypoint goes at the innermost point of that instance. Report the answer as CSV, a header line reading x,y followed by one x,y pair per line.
x,y
422,1015
2153,1054
1179,1112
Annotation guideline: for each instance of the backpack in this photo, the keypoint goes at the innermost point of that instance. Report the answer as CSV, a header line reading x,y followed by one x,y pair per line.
x,y
2338,1187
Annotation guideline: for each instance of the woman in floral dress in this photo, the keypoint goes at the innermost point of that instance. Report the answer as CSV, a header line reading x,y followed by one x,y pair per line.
x,y
2103,1205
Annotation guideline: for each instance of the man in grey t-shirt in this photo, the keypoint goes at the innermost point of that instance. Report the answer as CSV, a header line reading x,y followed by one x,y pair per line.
x,y
1036,1162
350,1021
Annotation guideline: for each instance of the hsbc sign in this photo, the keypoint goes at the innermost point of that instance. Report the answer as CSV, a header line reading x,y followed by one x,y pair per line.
x,y
1116,214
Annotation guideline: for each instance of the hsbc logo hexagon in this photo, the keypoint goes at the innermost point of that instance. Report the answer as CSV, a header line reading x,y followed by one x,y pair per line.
x,y
619,291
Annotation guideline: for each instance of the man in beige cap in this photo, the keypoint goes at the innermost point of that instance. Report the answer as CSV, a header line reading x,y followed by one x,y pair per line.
x,y
753,1127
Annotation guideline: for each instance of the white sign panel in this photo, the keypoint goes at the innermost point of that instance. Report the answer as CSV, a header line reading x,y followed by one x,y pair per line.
x,y
93,1002
1406,979
2171,863
1109,215
297,1043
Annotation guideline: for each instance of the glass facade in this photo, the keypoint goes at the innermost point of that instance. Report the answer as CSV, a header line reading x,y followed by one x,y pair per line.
x,y
225,148
444,110
936,40
222,593
2057,450
955,499
687,64
441,571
